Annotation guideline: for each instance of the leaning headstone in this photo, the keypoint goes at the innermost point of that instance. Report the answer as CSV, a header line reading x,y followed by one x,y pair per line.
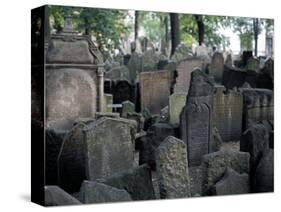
x,y
172,169
95,150
95,192
255,140
217,66
55,196
155,90
215,164
127,107
137,182
264,176
196,118
227,113
232,183
176,104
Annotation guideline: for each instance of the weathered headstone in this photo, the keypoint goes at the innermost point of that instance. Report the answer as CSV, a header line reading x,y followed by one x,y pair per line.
x,y
264,176
53,142
227,113
127,107
94,150
258,105
232,183
137,182
55,196
74,72
196,118
155,136
214,166
155,90
172,169
184,70
255,140
149,60
253,64
108,100
134,65
228,60
217,66
181,53
122,91
176,104
95,192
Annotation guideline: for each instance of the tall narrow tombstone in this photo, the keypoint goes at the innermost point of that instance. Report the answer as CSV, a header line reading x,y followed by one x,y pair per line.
x,y
176,104
227,113
217,66
95,150
172,169
196,117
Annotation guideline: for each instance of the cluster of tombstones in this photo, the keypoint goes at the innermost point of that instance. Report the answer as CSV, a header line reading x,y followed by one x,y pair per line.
x,y
195,125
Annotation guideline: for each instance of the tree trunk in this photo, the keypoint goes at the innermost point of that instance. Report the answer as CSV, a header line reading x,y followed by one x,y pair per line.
x,y
87,26
136,24
256,34
201,28
175,31
166,23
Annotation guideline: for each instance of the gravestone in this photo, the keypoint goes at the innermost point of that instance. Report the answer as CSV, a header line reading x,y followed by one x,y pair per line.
x,y
108,100
172,169
264,176
95,150
155,90
134,65
155,136
227,113
228,60
123,91
176,104
215,164
184,70
149,60
55,196
253,64
53,142
217,66
258,105
232,183
181,53
95,192
137,182
196,118
255,140
127,107
118,73
74,72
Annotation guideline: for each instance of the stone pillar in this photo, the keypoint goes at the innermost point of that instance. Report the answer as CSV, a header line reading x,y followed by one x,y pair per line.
x,y
100,74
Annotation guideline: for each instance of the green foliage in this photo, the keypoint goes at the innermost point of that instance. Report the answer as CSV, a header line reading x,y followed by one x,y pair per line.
x,y
212,24
107,26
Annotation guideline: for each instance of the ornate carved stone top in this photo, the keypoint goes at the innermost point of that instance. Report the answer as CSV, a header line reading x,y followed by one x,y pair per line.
x,y
69,47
